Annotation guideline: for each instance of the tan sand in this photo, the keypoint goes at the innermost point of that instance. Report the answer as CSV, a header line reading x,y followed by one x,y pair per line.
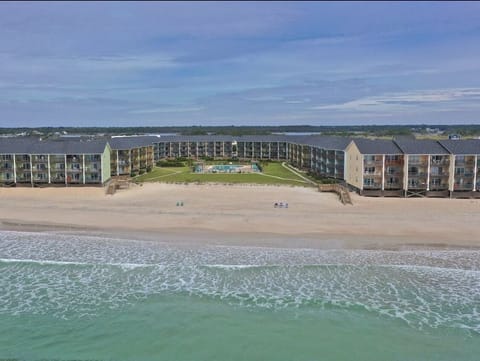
x,y
244,215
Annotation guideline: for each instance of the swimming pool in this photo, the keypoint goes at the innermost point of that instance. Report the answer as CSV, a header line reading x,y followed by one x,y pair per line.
x,y
227,168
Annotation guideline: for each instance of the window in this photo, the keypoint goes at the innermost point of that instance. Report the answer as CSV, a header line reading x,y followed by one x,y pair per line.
x,y
435,170
412,183
392,180
459,171
414,159
391,170
369,170
437,158
392,158
369,158
413,170
369,181
436,182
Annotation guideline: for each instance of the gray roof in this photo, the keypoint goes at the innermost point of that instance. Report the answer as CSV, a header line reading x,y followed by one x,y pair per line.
x,y
424,146
324,142
29,145
124,143
195,138
462,146
376,146
262,138
17,145
223,138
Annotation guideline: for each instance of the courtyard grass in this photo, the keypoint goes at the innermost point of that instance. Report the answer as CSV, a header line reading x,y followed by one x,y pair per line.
x,y
273,173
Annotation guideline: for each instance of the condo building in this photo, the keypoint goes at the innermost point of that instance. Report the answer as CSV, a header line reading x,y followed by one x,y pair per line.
x,y
220,146
131,155
465,166
375,167
320,155
372,167
33,162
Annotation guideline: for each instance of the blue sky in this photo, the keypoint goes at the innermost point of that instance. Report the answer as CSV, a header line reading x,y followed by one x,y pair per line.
x,y
234,63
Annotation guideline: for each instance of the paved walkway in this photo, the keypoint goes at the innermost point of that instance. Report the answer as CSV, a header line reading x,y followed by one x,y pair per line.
x,y
295,171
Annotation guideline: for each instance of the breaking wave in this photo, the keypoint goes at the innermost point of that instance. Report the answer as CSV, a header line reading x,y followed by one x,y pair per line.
x,y
79,276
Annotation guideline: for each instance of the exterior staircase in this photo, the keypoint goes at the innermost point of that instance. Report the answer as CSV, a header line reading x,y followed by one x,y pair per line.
x,y
342,191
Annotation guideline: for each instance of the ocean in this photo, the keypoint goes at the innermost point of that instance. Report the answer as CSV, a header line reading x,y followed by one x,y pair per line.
x,y
78,297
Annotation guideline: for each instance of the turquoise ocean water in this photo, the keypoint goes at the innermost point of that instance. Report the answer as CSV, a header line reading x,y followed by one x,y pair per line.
x,y
69,297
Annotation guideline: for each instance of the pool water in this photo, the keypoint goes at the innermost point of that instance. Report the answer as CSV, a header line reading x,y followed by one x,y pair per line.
x,y
226,168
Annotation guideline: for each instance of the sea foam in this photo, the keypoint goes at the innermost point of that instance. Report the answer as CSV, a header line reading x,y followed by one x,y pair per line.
x,y
79,276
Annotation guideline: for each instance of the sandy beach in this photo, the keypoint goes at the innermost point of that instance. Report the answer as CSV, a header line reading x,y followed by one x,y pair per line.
x,y
243,215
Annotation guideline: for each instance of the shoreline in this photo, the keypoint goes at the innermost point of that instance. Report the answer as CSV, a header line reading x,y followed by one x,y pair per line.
x,y
198,238
238,215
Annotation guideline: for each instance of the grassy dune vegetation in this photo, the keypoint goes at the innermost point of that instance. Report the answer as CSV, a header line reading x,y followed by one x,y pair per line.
x,y
273,173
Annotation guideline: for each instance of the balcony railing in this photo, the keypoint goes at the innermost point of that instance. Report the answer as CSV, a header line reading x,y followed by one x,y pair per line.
x,y
394,162
440,162
372,186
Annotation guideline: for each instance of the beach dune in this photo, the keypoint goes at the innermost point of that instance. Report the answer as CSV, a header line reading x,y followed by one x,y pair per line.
x,y
243,215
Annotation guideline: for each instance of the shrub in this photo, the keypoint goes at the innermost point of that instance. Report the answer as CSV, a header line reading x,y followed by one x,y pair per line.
x,y
170,163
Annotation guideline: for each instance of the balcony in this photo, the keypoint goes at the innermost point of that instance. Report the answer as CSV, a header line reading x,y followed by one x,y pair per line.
x,y
394,163
440,175
377,173
443,163
416,174
372,186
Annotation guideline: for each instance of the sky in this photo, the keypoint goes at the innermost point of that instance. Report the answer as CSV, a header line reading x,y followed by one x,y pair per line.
x,y
238,63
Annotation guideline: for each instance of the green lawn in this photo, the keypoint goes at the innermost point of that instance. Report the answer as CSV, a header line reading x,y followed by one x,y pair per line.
x,y
273,173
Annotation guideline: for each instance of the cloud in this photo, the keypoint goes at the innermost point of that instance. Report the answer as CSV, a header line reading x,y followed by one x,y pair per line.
x,y
406,99
113,62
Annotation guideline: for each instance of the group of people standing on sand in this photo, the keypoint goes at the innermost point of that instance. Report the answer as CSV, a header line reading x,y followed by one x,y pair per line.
x,y
280,205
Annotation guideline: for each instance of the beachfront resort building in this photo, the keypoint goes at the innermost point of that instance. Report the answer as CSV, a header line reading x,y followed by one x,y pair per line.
x,y
372,167
323,156
35,162
222,147
375,167
131,155
465,166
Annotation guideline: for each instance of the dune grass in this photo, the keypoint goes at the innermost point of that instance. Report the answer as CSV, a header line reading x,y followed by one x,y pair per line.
x,y
273,173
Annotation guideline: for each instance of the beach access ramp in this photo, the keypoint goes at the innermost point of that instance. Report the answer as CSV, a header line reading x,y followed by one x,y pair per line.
x,y
342,191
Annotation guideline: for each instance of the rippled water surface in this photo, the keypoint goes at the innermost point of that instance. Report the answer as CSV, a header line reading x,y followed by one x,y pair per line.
x,y
78,297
